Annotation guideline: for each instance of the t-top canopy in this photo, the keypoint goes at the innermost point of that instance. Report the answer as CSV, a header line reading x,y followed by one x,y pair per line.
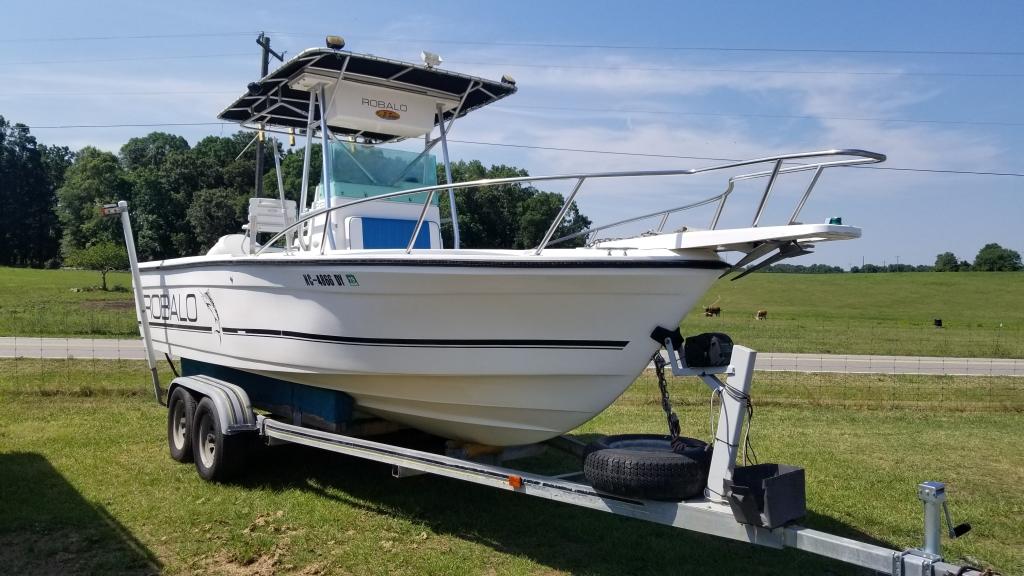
x,y
376,99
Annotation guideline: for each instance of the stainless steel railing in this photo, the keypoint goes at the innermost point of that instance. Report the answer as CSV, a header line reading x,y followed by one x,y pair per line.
x,y
855,157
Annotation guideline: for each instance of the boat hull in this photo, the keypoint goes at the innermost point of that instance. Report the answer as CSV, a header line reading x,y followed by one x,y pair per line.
x,y
498,352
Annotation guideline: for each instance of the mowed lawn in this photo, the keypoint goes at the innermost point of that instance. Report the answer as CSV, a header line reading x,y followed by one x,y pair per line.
x,y
982,312
86,486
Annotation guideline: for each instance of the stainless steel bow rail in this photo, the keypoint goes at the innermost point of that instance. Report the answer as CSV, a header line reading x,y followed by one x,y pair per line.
x,y
849,157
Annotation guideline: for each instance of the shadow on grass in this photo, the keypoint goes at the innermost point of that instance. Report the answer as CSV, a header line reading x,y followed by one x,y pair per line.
x,y
560,536
47,527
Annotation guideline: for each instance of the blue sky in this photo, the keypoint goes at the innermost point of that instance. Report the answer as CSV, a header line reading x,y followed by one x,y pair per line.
x,y
633,89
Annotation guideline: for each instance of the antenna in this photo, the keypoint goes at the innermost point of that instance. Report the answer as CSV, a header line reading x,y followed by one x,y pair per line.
x,y
430,59
264,42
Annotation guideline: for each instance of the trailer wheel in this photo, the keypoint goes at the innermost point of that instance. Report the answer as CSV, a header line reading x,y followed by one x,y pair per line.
x,y
181,409
645,466
217,456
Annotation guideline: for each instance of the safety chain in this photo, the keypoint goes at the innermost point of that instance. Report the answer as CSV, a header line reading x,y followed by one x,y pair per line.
x,y
666,404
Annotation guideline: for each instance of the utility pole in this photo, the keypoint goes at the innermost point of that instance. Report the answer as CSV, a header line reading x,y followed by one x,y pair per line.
x,y
264,42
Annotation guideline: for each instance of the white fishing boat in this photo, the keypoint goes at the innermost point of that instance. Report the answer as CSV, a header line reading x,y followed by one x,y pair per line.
x,y
352,290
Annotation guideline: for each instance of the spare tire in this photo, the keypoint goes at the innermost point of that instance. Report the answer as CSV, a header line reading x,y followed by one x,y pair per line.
x,y
645,466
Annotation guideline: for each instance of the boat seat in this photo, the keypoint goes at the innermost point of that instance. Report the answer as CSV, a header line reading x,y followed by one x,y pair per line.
x,y
266,215
388,233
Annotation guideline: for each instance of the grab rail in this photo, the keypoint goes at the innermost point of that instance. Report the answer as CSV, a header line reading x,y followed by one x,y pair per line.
x,y
860,157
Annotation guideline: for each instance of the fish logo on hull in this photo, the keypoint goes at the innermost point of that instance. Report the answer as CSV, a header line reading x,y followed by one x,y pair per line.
x,y
388,114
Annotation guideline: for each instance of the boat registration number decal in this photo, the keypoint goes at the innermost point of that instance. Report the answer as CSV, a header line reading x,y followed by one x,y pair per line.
x,y
329,280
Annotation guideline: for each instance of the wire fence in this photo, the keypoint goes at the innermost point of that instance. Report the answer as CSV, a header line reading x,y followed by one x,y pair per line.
x,y
88,348
799,390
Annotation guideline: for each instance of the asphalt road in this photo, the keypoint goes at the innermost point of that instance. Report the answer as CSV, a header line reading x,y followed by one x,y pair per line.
x,y
101,348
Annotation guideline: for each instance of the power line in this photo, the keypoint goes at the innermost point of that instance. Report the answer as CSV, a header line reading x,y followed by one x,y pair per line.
x,y
576,109
108,93
65,39
140,125
124,59
746,70
649,155
690,48
557,45
751,115
551,148
773,71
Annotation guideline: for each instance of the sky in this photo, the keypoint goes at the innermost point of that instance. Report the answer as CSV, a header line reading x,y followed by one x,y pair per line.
x,y
934,86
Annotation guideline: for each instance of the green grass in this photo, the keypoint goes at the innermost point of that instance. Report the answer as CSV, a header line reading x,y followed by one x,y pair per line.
x,y
42,303
982,313
86,485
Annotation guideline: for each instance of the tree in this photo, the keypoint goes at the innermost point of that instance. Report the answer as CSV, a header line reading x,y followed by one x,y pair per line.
x,y
291,171
946,262
104,257
164,175
995,258
29,231
505,216
214,213
95,178
537,213
151,150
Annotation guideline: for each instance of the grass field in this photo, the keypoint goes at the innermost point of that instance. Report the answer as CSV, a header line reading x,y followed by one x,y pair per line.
x,y
86,486
983,312
42,303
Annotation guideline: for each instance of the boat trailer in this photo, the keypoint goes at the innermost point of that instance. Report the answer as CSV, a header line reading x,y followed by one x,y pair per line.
x,y
763,513
714,515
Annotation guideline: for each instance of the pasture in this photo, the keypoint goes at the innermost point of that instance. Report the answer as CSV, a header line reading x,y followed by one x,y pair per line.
x,y
86,485
982,313
65,303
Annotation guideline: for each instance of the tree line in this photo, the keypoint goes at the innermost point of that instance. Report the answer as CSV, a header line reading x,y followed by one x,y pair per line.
x,y
183,198
991,258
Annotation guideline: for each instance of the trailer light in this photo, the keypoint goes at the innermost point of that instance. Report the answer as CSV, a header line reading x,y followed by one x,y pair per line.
x,y
516,482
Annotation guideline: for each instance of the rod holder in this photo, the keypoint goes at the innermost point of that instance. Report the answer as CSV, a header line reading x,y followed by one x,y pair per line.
x,y
120,210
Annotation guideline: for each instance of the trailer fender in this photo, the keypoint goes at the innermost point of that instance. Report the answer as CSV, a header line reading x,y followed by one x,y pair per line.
x,y
231,402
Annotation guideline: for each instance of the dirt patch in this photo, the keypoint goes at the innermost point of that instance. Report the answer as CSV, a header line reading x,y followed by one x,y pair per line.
x,y
108,304
87,551
223,563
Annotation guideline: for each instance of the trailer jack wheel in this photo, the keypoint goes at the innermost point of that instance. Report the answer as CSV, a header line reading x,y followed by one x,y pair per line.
x,y
181,409
218,456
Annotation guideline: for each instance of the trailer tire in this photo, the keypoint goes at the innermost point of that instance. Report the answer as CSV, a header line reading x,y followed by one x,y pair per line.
x,y
218,456
645,466
181,409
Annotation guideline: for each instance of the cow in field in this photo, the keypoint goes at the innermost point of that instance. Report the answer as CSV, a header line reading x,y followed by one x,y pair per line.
x,y
714,309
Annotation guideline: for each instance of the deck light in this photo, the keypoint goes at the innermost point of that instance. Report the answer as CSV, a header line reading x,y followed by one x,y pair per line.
x,y
430,59
335,42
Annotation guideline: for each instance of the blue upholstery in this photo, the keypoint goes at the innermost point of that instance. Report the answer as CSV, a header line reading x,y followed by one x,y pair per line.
x,y
393,233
